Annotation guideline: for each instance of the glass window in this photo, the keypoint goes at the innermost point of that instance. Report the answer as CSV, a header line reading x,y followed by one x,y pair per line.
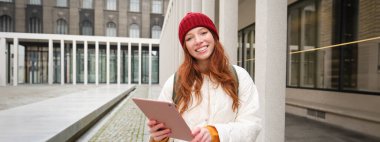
x,y
62,27
157,6
134,5
87,4
156,32
111,29
87,28
35,2
35,25
111,5
62,3
6,24
302,25
134,31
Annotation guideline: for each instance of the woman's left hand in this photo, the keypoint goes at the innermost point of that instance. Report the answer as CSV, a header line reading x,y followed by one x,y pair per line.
x,y
201,134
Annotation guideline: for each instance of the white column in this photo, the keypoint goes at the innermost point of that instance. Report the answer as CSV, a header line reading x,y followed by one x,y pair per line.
x,y
97,62
196,5
85,62
208,8
15,61
228,27
108,62
150,63
3,62
62,62
118,63
74,62
139,63
271,67
187,6
50,62
129,62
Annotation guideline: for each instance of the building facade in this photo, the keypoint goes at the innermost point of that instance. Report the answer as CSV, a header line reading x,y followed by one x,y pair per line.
x,y
77,58
333,52
121,18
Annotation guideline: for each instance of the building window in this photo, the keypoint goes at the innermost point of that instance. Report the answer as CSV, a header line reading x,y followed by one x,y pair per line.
x,y
62,3
62,26
6,24
111,4
6,0
134,5
35,2
111,29
157,6
156,32
87,28
87,4
35,25
134,31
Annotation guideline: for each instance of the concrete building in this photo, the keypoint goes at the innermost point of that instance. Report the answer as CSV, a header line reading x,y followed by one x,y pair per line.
x,y
318,59
325,52
122,18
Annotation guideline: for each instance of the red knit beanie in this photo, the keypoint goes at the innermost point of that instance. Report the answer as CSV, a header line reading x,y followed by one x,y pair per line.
x,y
193,20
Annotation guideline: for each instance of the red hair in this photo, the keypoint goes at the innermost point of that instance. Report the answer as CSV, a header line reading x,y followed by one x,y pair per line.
x,y
190,78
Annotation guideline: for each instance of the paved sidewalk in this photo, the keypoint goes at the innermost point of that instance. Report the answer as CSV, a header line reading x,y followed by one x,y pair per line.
x,y
127,123
15,96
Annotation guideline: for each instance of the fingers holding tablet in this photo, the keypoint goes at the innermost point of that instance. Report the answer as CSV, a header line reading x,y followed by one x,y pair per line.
x,y
157,130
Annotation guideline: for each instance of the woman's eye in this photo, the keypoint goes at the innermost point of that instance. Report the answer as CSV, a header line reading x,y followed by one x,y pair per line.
x,y
187,39
203,33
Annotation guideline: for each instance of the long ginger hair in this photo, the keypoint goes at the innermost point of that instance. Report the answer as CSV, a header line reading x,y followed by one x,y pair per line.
x,y
190,77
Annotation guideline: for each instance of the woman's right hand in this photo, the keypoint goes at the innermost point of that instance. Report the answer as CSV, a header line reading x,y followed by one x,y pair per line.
x,y
158,131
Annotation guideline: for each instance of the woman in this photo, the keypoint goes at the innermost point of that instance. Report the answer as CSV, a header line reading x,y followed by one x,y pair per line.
x,y
215,103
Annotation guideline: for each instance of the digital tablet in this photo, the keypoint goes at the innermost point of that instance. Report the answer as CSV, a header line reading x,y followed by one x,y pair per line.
x,y
166,113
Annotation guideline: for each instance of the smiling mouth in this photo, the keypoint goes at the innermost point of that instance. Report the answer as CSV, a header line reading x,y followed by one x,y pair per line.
x,y
202,49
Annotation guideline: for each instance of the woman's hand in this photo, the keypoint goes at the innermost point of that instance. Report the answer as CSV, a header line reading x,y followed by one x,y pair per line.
x,y
158,131
201,134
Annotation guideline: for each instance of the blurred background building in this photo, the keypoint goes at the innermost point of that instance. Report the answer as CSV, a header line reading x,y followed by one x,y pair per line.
x,y
332,50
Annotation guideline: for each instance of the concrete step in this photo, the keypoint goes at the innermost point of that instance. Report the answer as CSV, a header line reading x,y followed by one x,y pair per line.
x,y
61,118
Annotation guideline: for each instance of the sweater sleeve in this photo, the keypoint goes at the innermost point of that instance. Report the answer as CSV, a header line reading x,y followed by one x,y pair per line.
x,y
247,124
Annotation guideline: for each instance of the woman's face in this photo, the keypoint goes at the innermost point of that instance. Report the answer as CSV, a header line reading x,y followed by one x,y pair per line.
x,y
200,43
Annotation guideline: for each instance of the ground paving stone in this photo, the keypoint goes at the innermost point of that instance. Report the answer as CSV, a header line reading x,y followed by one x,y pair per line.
x,y
127,124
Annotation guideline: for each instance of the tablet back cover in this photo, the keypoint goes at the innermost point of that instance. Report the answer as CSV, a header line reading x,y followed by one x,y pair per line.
x,y
167,113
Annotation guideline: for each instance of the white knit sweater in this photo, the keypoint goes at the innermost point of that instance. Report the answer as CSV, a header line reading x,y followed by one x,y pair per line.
x,y
241,126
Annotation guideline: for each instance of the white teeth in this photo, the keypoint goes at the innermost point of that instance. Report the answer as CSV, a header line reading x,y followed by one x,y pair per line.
x,y
201,49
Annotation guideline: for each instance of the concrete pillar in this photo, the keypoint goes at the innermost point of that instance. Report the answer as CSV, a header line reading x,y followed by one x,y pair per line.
x,y
196,5
129,62
118,63
145,17
15,61
62,62
150,63
108,63
85,62
97,62
271,67
208,8
187,6
74,62
228,28
3,62
139,63
50,62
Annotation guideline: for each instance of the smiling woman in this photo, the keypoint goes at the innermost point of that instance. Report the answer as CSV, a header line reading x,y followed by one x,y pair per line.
x,y
206,88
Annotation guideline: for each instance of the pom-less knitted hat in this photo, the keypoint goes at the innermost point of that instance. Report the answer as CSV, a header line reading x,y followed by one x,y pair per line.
x,y
193,20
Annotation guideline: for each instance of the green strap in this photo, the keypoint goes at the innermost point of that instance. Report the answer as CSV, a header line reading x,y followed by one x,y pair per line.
x,y
175,100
